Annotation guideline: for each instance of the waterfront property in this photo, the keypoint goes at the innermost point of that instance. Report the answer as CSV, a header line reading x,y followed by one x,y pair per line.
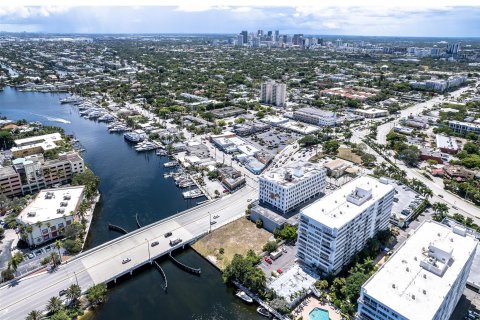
x,y
33,145
32,173
423,279
333,229
50,213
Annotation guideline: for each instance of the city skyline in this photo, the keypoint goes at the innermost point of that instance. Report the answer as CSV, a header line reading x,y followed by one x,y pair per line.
x,y
440,21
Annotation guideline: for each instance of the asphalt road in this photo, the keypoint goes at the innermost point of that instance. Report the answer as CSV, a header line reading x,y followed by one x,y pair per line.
x,y
414,110
104,263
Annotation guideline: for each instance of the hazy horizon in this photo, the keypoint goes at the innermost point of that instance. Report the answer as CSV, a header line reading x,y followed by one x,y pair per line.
x,y
366,21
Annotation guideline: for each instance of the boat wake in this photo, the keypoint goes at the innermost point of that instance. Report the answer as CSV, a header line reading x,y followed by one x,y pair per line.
x,y
57,120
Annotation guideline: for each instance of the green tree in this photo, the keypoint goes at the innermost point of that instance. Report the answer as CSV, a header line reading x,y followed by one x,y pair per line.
x,y
97,294
441,210
15,261
60,315
287,233
34,315
331,146
87,179
270,246
410,155
54,305
73,246
308,140
74,292
368,159
471,148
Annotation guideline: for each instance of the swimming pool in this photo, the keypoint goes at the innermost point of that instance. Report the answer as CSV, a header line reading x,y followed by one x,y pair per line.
x,y
319,314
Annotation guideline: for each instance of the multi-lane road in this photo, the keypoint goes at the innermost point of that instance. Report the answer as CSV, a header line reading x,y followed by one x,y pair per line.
x,y
104,263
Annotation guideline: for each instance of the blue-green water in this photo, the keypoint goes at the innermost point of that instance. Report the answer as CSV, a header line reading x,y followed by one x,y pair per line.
x,y
131,183
318,314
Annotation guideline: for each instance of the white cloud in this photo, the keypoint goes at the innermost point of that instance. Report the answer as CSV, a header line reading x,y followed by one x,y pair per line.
x,y
19,12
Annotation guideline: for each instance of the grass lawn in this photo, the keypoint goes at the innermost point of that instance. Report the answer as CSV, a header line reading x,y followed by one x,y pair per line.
x,y
347,154
238,236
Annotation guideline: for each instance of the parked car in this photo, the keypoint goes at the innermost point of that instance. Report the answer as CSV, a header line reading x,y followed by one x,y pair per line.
x,y
267,260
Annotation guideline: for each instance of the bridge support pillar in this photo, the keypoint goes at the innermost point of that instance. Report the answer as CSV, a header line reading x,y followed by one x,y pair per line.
x,y
131,272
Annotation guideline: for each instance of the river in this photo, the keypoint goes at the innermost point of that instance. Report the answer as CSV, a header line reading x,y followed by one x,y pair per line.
x,y
132,183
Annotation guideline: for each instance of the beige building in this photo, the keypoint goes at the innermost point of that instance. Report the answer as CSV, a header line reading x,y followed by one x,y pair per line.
x,y
35,145
10,184
50,213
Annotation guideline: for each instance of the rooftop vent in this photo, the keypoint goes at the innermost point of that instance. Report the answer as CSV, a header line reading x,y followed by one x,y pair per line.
x,y
413,296
424,291
67,197
60,210
63,204
31,214
393,285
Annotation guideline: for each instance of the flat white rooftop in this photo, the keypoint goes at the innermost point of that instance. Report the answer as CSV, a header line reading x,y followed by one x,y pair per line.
x,y
334,210
44,206
38,139
293,173
405,286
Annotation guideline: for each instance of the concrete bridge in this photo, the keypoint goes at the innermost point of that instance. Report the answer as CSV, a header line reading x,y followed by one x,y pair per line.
x,y
104,263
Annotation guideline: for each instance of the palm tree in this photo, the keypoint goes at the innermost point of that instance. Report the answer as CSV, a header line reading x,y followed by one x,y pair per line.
x,y
34,315
74,292
58,244
54,305
15,261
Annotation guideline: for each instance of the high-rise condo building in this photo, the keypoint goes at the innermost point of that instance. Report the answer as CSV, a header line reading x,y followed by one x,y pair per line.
x,y
333,229
424,279
287,187
273,93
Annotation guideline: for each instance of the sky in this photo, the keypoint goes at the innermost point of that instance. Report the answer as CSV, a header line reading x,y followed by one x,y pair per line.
x,y
440,18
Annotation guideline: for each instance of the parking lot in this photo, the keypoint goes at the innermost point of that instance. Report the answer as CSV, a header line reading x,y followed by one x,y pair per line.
x,y
273,140
405,202
284,262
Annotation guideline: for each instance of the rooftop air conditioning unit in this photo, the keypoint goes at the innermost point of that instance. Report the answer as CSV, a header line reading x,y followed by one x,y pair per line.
x,y
31,214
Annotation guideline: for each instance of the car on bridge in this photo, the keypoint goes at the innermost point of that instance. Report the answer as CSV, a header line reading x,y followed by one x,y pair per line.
x,y
168,234
126,260
155,243
213,222
62,292
175,242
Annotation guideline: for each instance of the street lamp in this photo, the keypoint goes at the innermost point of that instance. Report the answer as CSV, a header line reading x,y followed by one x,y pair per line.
x,y
148,248
76,279
210,215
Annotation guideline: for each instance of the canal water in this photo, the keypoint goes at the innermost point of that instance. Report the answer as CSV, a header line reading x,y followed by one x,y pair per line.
x,y
132,183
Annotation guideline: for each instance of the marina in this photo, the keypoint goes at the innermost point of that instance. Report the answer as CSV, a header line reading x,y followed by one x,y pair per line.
x,y
122,169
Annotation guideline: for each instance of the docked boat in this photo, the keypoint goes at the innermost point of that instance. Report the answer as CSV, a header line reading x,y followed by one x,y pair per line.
x,y
160,152
245,297
192,194
263,311
146,146
131,136
70,99
106,118
170,164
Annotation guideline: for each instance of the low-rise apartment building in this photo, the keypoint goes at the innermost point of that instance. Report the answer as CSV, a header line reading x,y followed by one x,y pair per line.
x,y
464,127
315,116
49,214
35,145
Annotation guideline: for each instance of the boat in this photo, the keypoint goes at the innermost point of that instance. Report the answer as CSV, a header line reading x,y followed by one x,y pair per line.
x,y
160,152
131,136
195,193
106,118
70,99
263,311
170,164
245,297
